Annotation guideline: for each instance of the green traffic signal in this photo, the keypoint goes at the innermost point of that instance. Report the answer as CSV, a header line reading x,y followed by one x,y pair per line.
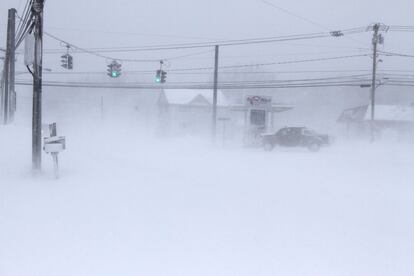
x,y
160,76
114,69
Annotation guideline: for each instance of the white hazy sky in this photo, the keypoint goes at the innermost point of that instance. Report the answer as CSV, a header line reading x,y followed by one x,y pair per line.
x,y
103,23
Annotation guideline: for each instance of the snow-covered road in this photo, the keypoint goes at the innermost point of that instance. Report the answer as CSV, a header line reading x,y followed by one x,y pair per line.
x,y
128,205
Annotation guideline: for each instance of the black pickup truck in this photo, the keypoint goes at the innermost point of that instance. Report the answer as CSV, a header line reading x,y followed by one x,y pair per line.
x,y
295,137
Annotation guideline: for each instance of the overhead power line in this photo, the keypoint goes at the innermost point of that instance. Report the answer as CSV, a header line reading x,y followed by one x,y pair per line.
x,y
332,32
125,33
348,80
195,86
271,63
208,73
98,54
399,28
209,44
73,46
394,54
25,23
307,83
194,70
292,14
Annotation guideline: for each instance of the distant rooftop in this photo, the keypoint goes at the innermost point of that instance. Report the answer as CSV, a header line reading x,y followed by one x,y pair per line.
x,y
194,97
198,97
400,113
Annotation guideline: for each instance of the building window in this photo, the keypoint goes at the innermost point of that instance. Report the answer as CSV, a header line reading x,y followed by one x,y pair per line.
x,y
258,117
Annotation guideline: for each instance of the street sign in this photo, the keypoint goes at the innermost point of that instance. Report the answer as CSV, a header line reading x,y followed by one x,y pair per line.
x,y
53,145
264,102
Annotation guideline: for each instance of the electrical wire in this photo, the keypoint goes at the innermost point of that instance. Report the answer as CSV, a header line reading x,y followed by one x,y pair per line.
x,y
157,60
271,4
212,44
228,86
96,53
208,73
271,63
23,14
394,54
350,80
399,28
193,86
25,23
194,70
123,59
129,33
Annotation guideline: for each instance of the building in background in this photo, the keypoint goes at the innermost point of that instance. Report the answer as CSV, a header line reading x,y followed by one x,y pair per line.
x,y
259,116
397,119
189,112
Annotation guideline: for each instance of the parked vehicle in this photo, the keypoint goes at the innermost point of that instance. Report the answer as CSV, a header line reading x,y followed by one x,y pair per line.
x,y
295,137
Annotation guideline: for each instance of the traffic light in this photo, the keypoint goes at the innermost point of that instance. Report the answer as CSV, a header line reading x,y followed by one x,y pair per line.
x,y
163,76
160,76
64,60
114,69
110,69
67,61
70,62
117,69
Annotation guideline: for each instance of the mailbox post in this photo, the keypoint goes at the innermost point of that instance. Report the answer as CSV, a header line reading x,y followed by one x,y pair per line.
x,y
53,145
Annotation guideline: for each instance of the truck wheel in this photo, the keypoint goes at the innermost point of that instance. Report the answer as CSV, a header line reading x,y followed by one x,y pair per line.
x,y
314,147
268,147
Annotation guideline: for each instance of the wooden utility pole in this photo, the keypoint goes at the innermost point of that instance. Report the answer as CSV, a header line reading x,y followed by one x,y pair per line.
x,y
37,11
12,59
214,119
375,40
9,65
2,88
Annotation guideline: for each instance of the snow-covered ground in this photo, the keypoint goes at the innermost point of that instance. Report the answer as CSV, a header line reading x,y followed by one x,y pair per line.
x,y
128,204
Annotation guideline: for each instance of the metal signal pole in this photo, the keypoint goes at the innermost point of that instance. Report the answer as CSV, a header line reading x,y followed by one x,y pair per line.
x,y
37,87
214,119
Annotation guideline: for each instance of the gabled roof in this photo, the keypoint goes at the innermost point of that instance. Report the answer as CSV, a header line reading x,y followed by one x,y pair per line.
x,y
395,113
193,97
392,113
353,114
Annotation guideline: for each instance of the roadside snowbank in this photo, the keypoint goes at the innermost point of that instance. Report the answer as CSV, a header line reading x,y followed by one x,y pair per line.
x,y
129,204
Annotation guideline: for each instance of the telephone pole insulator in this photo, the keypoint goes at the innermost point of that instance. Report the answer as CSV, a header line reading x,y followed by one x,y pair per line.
x,y
337,33
38,6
